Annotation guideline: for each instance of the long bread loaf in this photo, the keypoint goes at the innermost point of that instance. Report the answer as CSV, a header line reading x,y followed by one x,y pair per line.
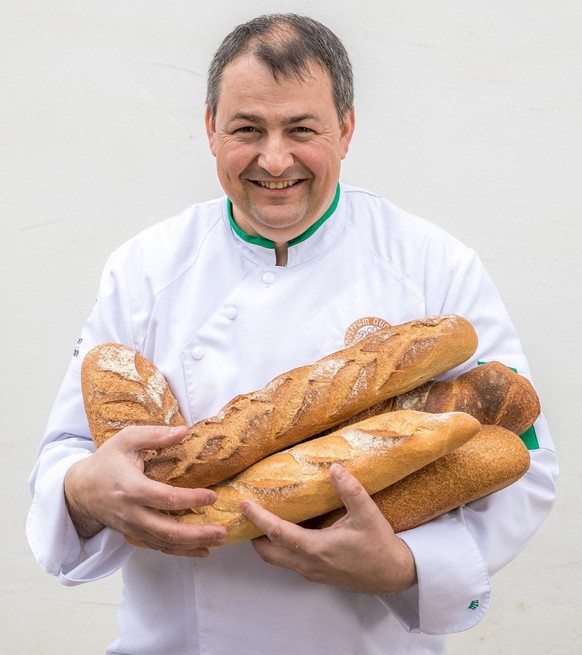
x,y
307,400
122,388
294,406
493,393
295,484
490,461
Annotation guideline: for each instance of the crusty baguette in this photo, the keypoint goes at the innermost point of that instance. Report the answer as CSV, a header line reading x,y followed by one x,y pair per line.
x,y
493,393
490,461
295,484
122,388
307,400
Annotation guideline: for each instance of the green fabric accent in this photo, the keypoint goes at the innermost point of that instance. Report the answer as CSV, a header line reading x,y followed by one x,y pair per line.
x,y
267,243
529,437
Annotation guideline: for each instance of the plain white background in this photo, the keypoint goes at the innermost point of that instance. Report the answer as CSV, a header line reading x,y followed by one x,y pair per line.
x,y
468,114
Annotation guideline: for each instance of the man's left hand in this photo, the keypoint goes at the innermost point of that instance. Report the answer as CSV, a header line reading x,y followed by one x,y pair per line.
x,y
360,552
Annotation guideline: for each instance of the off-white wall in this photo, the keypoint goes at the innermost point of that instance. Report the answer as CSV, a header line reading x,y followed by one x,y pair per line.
x,y
469,114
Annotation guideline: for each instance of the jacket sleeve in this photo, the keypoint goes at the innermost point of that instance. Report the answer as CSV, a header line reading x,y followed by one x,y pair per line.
x,y
457,553
51,534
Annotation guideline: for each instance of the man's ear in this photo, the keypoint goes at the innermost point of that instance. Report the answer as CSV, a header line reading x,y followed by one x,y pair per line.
x,y
347,131
210,123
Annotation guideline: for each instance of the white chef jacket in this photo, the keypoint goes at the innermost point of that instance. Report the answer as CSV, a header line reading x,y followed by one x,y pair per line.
x,y
207,304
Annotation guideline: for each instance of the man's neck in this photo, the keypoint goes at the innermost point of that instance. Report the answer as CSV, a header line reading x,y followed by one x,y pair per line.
x,y
281,254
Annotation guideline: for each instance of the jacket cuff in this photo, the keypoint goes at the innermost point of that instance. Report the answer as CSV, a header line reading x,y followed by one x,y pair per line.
x,y
52,535
453,591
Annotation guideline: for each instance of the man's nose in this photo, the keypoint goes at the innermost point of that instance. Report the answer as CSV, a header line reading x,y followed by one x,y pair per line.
x,y
275,156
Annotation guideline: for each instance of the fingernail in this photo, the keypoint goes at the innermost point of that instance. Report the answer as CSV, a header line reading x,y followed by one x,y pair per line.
x,y
339,471
210,498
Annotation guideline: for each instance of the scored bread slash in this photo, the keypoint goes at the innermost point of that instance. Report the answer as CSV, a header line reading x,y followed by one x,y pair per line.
x,y
295,485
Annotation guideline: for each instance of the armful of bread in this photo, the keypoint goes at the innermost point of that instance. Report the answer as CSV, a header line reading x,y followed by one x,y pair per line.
x,y
387,372
294,406
294,484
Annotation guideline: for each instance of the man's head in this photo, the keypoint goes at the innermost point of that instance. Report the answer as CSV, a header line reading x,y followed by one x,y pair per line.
x,y
287,44
279,120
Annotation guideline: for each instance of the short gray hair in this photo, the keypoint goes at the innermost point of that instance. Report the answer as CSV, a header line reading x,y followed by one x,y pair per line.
x,y
287,44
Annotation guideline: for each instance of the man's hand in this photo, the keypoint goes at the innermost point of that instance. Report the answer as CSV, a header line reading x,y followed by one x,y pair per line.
x,y
109,488
360,552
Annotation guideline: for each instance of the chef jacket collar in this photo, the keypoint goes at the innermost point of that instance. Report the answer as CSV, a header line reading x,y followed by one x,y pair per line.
x,y
267,245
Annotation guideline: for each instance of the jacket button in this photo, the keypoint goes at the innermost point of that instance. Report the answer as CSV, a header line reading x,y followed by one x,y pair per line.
x,y
268,277
230,312
198,352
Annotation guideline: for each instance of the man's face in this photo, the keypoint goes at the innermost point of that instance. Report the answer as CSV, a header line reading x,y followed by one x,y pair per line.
x,y
278,146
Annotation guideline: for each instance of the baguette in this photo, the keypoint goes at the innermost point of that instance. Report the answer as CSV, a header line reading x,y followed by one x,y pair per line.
x,y
308,400
493,393
490,461
122,388
295,484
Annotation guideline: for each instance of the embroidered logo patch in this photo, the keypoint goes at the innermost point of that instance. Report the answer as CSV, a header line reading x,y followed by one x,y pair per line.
x,y
362,328
76,351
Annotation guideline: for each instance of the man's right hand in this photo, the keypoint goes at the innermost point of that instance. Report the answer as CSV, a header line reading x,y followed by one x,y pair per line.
x,y
109,488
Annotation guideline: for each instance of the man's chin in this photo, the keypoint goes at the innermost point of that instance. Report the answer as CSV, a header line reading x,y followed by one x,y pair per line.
x,y
280,229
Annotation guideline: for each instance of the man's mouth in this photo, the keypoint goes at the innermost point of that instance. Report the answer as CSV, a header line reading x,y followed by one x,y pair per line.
x,y
282,184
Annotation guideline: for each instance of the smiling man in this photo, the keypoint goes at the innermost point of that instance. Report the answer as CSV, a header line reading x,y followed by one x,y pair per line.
x,y
287,267
278,143
277,134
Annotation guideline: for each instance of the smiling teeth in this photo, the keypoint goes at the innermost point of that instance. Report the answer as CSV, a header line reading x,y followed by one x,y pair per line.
x,y
278,185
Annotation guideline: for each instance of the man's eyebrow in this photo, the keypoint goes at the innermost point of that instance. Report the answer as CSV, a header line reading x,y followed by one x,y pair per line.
x,y
249,118
259,120
299,119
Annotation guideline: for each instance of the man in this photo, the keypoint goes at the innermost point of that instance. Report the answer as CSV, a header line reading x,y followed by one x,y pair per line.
x,y
224,297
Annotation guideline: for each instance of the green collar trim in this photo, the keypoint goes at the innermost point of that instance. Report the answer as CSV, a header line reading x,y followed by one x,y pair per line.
x,y
267,243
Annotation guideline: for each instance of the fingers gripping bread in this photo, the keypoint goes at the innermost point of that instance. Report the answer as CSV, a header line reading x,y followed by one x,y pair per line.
x,y
295,484
307,400
490,461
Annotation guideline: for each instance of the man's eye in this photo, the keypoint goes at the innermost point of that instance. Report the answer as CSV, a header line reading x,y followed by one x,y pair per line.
x,y
247,129
303,130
